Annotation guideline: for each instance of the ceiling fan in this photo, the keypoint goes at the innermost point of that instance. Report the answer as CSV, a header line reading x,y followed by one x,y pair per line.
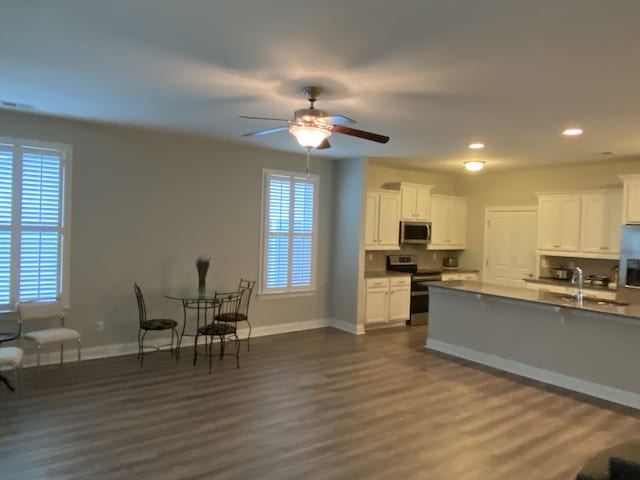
x,y
312,127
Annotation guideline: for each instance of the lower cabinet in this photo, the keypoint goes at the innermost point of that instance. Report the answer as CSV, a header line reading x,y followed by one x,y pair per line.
x,y
388,301
472,276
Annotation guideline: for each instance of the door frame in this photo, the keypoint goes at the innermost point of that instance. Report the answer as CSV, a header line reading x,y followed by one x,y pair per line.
x,y
485,246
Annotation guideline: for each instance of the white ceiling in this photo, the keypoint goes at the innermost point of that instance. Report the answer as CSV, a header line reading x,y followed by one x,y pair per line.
x,y
434,75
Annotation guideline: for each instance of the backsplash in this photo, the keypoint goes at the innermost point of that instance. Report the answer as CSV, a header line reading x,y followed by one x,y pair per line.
x,y
590,266
377,260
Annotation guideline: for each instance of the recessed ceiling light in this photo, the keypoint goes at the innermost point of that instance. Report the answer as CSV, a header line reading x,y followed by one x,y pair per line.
x,y
476,146
474,165
572,132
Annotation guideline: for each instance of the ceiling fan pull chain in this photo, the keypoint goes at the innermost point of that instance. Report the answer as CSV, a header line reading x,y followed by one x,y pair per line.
x,y
308,161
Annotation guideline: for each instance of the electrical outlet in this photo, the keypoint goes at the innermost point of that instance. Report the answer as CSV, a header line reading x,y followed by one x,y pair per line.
x,y
434,255
100,325
371,257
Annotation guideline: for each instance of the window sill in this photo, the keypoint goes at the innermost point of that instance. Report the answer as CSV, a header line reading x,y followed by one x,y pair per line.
x,y
277,296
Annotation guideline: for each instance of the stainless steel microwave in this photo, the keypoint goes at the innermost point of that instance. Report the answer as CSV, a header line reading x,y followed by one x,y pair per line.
x,y
415,232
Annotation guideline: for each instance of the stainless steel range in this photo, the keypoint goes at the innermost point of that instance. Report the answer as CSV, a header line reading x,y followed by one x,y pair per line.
x,y
419,284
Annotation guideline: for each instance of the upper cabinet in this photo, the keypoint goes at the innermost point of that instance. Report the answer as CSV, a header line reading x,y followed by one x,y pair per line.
x,y
382,223
601,220
416,201
580,224
448,223
559,222
631,199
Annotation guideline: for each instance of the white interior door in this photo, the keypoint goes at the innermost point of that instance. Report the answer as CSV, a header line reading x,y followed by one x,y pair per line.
x,y
510,245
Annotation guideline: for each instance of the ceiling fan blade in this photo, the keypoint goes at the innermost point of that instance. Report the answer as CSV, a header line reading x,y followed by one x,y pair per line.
x,y
325,144
264,118
338,120
267,131
360,133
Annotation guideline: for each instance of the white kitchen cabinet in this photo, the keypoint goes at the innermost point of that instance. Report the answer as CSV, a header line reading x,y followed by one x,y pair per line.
x,y
382,221
471,276
631,199
448,222
600,223
558,223
388,301
416,201
580,224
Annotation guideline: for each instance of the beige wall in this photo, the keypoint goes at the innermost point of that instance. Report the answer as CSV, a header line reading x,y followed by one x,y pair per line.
x,y
146,203
518,187
346,258
444,183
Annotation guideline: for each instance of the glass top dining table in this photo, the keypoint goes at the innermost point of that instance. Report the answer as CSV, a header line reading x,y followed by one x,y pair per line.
x,y
193,299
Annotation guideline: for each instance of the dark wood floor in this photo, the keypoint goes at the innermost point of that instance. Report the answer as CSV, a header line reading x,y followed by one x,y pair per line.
x,y
321,404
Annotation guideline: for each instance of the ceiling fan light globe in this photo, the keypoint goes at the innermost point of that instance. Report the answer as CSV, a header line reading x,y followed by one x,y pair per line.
x,y
474,166
309,137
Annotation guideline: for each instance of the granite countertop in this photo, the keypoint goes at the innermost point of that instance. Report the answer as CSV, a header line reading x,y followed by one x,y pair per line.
x,y
539,296
567,283
459,270
385,274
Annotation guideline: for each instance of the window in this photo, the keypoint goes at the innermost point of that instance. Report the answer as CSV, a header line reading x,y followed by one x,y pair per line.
x,y
34,240
288,232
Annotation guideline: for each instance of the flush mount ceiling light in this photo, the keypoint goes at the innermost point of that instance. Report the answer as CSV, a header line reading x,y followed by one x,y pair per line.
x,y
474,165
476,146
309,136
572,132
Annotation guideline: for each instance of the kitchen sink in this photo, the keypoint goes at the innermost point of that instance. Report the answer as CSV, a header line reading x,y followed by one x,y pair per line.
x,y
590,300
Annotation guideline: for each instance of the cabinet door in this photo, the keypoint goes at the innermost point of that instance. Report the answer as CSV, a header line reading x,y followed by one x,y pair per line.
x,y
601,221
594,210
409,196
399,303
457,222
470,276
439,222
614,222
371,220
451,276
377,307
559,223
570,238
632,201
389,221
423,204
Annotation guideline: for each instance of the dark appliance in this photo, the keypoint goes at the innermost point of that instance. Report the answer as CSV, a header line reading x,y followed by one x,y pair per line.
x,y
450,263
415,232
630,256
419,285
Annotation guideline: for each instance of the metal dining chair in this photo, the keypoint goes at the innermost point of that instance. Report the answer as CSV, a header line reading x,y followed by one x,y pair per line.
x,y
242,315
152,324
225,306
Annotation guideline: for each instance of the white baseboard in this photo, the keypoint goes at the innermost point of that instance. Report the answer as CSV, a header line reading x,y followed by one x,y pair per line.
x,y
604,392
346,326
52,356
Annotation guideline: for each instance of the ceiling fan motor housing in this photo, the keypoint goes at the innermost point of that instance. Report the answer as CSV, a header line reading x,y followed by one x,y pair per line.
x,y
310,115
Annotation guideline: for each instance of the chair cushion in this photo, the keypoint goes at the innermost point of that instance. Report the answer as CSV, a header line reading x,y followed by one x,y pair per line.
x,y
217,329
159,324
598,467
229,317
11,356
624,469
51,335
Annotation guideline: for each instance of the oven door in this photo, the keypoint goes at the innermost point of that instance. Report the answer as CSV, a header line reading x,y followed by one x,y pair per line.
x,y
419,303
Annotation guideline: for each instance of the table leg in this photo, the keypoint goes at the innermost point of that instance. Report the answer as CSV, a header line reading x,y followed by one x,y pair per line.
x,y
184,324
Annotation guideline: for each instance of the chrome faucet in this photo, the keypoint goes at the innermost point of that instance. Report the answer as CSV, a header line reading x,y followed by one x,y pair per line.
x,y
578,280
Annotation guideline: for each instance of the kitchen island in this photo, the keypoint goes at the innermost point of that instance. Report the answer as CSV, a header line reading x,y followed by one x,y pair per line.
x,y
589,347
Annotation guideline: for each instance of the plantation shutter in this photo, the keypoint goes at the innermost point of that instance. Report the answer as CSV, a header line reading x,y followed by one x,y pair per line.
x,y
6,200
41,222
289,233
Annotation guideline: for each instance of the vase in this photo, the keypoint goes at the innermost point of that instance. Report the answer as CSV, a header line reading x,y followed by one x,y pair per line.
x,y
202,285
